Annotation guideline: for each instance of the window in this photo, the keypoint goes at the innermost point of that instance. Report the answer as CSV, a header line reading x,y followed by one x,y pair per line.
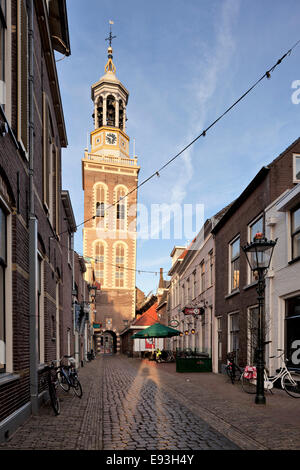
x,y
257,226
252,333
69,248
2,51
100,201
234,333
219,336
120,264
22,28
99,262
295,231
121,208
188,290
296,168
195,283
51,169
3,265
202,279
235,264
211,267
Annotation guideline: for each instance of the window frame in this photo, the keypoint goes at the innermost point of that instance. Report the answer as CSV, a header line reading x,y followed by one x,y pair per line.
x,y
202,276
232,332
120,277
294,234
233,260
250,276
296,156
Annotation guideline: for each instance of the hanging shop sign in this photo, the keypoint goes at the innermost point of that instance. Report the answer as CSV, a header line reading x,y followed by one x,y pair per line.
x,y
193,311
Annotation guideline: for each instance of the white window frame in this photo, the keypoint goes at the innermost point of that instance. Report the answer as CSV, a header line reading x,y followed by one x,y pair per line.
x,y
230,289
249,227
295,157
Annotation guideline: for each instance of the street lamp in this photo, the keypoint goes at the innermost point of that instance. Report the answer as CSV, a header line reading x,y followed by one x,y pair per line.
x,y
259,254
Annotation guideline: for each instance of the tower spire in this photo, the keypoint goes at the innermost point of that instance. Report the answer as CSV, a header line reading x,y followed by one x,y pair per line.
x,y
110,67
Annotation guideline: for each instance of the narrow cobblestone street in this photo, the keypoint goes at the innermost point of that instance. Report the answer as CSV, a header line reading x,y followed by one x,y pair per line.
x,y
132,404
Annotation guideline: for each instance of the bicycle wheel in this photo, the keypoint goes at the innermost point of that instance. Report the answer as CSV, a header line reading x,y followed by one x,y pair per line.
x,y
248,385
63,380
291,384
54,398
77,388
229,373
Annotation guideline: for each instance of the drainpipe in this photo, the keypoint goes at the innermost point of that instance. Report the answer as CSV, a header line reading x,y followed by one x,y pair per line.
x,y
33,224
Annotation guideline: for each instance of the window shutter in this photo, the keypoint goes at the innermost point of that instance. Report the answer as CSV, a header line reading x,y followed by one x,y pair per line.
x,y
23,74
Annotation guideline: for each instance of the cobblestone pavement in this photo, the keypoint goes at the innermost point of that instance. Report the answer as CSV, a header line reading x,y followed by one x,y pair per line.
x,y
137,404
139,414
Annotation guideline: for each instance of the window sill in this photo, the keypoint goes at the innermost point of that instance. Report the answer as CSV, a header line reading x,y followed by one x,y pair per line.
x,y
294,260
8,377
250,285
232,294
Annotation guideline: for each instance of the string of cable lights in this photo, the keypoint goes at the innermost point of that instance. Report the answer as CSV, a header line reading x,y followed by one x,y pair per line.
x,y
266,74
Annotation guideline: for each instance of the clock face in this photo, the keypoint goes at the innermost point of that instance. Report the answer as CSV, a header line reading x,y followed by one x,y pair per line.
x,y
111,138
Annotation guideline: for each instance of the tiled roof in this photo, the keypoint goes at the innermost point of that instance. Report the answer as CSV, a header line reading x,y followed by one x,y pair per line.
x,y
148,318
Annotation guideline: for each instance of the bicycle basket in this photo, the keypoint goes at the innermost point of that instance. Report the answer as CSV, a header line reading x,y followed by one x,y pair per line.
x,y
250,372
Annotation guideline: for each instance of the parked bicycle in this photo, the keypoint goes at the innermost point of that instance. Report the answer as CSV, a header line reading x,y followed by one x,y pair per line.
x,y
165,356
67,376
52,382
233,371
91,355
290,380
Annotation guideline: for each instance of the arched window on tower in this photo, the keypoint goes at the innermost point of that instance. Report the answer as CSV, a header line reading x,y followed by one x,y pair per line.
x,y
99,255
120,265
100,197
121,114
100,112
111,111
120,208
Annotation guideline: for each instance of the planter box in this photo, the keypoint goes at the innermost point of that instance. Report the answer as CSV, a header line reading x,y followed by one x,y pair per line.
x,y
193,364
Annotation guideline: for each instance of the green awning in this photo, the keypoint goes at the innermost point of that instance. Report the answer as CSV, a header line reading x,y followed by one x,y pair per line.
x,y
157,331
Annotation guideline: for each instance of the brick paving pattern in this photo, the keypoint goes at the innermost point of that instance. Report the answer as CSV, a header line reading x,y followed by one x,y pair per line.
x,y
136,404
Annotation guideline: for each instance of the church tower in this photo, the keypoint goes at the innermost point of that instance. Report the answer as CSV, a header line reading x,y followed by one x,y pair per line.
x,y
110,177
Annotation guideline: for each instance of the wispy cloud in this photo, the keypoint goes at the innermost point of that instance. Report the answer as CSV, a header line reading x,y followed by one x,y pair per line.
x,y
209,67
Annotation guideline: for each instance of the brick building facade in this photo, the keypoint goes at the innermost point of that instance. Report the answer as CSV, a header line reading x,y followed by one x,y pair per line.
x,y
236,296
36,219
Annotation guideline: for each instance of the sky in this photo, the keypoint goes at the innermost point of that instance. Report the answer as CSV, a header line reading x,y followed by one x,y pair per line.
x,y
184,62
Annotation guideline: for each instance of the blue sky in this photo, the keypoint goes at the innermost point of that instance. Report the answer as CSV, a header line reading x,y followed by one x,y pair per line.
x,y
184,63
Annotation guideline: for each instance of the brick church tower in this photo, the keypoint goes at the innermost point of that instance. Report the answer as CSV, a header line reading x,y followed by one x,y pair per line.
x,y
109,236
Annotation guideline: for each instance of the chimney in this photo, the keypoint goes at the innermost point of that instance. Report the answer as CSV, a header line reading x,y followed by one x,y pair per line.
x,y
161,279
